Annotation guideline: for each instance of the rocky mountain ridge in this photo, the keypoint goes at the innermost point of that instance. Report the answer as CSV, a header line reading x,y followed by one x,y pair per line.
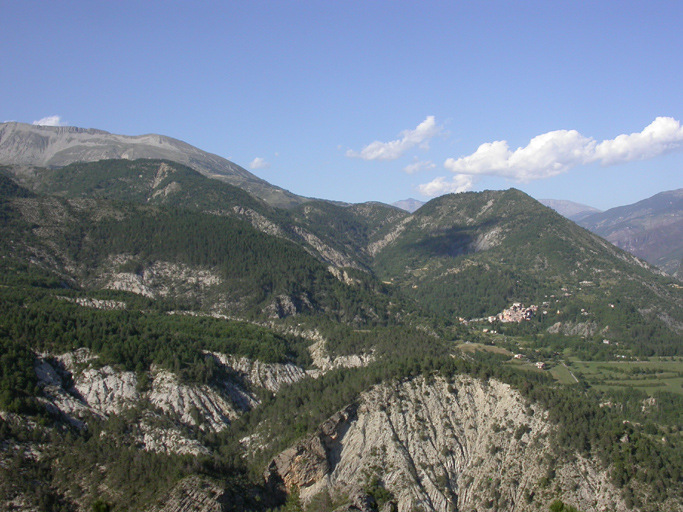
x,y
651,229
52,146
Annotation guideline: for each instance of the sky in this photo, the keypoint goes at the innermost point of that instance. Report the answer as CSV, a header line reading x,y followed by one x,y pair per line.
x,y
368,100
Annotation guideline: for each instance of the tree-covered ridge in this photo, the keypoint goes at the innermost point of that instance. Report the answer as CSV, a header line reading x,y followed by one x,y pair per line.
x,y
9,187
318,225
144,181
471,255
88,243
467,255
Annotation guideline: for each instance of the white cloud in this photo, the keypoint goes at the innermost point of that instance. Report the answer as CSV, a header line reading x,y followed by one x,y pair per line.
x,y
558,151
440,185
50,121
394,149
418,166
663,135
259,163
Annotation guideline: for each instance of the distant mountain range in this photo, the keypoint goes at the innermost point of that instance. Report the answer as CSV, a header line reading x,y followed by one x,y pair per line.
x,y
50,146
573,211
652,229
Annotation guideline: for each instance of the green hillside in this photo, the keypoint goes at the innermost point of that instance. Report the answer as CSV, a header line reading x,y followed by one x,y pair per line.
x,y
183,276
472,255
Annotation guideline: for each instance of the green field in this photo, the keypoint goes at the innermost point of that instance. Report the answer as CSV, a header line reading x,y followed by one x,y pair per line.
x,y
650,376
563,374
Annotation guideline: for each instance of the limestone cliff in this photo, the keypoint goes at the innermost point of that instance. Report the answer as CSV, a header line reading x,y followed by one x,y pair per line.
x,y
440,446
77,389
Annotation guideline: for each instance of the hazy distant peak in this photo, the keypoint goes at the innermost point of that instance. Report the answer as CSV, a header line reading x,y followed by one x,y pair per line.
x,y
569,209
409,205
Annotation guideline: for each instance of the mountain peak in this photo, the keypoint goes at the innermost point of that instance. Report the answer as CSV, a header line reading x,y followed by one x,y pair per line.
x,y
58,146
409,205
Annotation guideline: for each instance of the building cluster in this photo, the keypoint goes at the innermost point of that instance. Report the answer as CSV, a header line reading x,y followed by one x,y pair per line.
x,y
516,313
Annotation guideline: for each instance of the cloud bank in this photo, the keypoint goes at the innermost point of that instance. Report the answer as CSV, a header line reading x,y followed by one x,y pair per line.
x,y
557,152
50,121
259,163
396,148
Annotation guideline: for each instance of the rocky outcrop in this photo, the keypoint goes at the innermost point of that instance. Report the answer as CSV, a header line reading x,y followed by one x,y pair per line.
x,y
269,376
324,362
56,396
106,390
343,276
77,390
168,440
198,404
283,306
324,251
160,279
584,329
96,303
195,493
259,221
376,247
310,461
440,446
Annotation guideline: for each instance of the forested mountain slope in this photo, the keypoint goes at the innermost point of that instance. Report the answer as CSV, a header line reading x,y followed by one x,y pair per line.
x,y
161,349
329,231
472,255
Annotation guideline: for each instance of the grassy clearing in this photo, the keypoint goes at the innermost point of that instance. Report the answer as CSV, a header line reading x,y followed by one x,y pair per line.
x,y
473,347
562,374
654,375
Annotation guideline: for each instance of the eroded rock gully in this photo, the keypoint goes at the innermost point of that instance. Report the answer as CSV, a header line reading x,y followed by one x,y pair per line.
x,y
442,446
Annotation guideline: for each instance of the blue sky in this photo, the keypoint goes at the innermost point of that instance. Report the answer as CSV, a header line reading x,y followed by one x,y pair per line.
x,y
359,101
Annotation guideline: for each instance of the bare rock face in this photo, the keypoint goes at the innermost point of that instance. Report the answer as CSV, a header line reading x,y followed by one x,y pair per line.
x,y
343,276
196,494
196,405
585,329
56,396
107,390
440,446
159,279
259,222
327,253
310,461
324,362
77,390
169,440
284,306
376,247
264,375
